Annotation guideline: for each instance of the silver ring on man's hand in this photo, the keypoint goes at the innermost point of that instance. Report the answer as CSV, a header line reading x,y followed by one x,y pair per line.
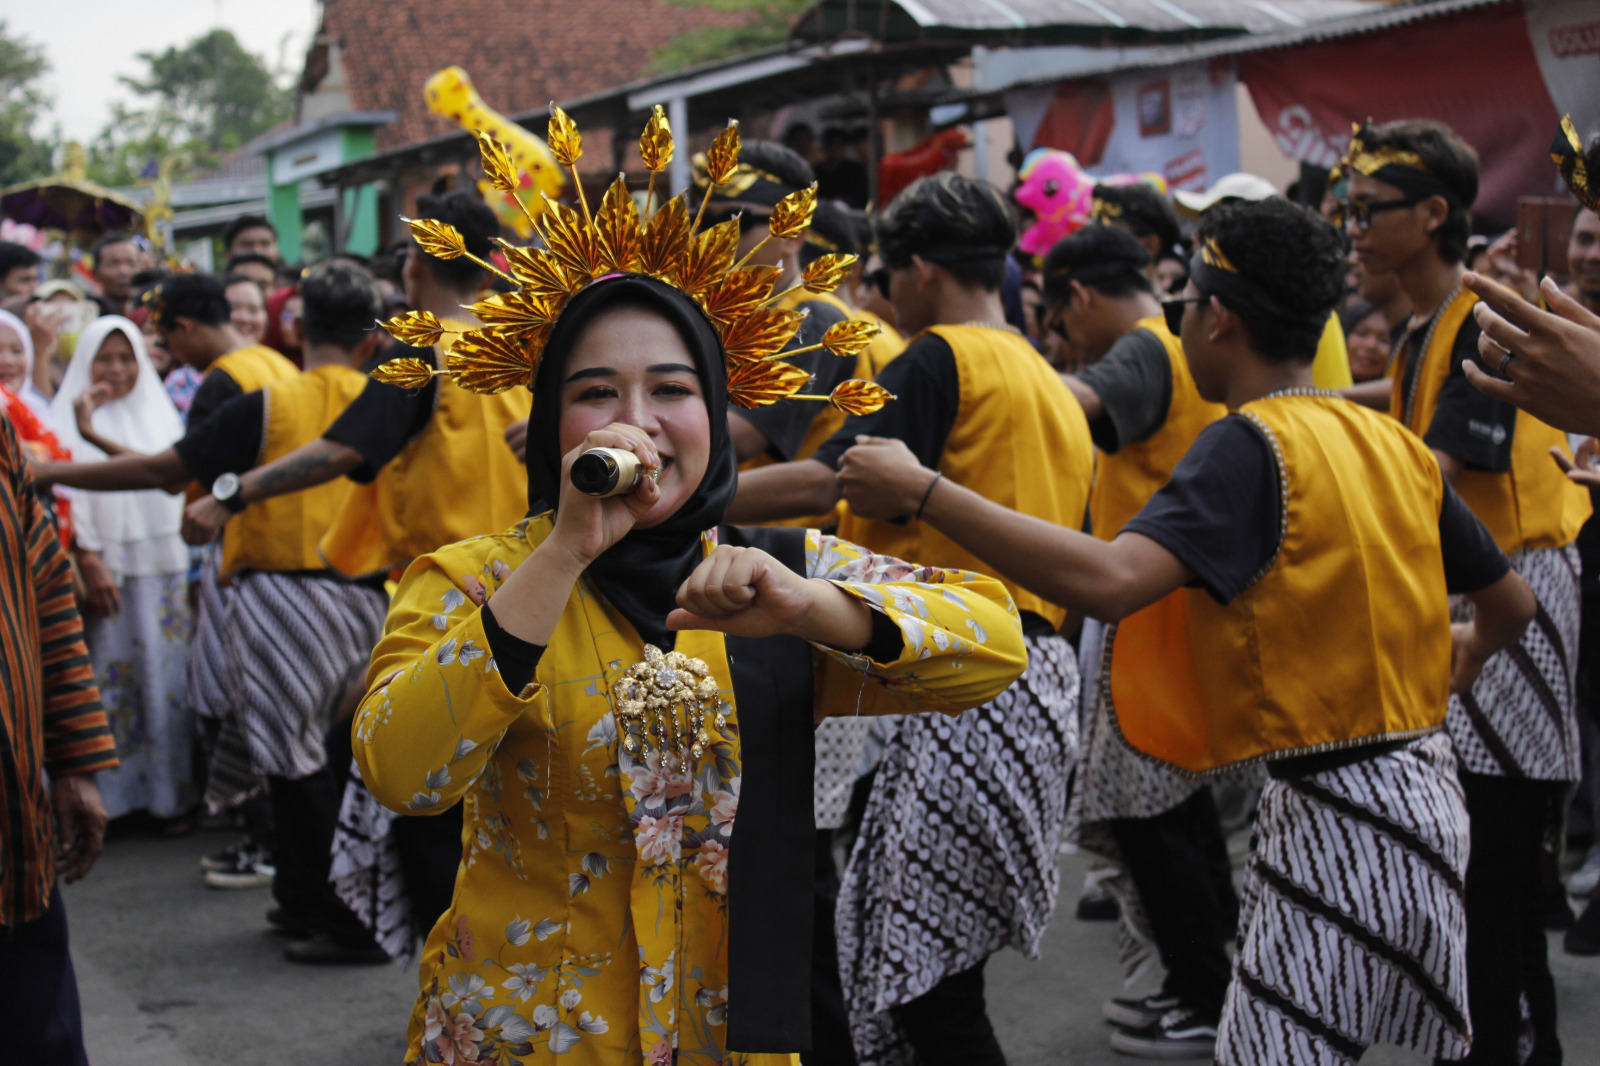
x,y
1506,362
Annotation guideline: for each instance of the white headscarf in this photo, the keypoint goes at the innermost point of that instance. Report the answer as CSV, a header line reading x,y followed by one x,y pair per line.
x,y
28,393
135,532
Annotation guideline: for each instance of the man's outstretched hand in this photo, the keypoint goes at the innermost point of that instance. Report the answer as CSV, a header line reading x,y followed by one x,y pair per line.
x,y
1555,355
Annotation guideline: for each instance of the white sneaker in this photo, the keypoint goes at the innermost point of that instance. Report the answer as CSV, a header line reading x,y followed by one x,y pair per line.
x,y
250,869
1584,879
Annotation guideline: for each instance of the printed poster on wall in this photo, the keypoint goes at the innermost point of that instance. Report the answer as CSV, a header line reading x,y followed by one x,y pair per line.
x,y
1180,122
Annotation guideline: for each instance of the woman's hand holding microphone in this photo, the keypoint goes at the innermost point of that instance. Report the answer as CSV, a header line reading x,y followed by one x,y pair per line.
x,y
588,523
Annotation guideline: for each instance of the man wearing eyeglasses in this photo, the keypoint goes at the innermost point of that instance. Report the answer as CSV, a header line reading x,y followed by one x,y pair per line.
x,y
1411,185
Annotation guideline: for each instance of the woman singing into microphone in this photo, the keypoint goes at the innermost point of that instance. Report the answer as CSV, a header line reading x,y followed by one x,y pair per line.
x,y
621,690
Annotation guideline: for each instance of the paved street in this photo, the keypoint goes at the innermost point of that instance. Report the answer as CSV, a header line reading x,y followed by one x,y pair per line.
x,y
174,974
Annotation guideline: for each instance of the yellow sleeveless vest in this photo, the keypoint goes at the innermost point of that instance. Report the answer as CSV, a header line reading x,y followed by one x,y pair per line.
x,y
1331,368
254,367
1344,639
281,533
1125,481
1020,439
877,355
456,480
1532,505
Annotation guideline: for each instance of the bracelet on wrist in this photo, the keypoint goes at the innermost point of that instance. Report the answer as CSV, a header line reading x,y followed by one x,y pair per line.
x,y
921,506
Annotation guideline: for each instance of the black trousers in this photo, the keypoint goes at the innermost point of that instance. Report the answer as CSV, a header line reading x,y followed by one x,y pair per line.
x,y
949,1024
430,854
39,1011
830,1022
304,813
1507,954
1178,861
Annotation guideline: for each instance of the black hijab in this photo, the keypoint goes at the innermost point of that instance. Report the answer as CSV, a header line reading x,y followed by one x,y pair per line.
x,y
640,574
770,861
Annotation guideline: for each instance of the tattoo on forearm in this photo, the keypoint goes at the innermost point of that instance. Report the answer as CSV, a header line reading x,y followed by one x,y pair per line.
x,y
291,473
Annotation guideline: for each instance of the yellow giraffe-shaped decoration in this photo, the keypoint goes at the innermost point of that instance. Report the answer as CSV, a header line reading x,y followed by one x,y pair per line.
x,y
450,93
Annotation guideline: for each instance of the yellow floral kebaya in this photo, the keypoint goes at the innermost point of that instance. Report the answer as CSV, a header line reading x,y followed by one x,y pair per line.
x,y
590,914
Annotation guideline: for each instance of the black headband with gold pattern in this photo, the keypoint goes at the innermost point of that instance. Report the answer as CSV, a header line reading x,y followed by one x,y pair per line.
x,y
1393,166
1576,170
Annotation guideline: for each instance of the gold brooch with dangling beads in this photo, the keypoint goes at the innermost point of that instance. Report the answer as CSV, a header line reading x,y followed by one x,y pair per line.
x,y
669,703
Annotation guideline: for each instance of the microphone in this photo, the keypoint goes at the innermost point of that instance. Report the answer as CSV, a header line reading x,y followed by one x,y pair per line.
x,y
607,472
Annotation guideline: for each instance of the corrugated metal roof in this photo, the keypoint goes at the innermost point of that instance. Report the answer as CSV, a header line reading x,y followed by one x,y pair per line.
x,y
1368,21
1057,21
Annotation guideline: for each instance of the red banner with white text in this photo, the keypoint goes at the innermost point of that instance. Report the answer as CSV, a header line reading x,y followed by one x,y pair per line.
x,y
1475,71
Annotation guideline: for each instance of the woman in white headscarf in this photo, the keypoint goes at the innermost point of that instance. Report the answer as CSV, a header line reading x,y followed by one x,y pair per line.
x,y
135,565
16,363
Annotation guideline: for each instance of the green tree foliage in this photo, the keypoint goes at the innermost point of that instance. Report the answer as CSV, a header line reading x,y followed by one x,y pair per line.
x,y
22,103
766,23
201,100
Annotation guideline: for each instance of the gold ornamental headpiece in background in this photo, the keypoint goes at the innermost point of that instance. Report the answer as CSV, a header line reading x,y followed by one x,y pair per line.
x,y
581,247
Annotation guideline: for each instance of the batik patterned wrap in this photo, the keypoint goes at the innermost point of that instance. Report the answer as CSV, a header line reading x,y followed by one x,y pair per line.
x,y
322,630
1353,930
971,808
1520,718
229,779
841,745
366,871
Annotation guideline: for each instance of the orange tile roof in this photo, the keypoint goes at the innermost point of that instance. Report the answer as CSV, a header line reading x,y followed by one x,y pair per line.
x,y
521,54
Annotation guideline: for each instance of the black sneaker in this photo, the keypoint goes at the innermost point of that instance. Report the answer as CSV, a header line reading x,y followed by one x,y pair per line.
x,y
1096,905
1139,1013
251,868
1180,1034
226,859
325,951
289,925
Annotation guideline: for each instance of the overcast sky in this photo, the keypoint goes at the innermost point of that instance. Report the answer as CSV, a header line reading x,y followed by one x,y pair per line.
x,y
90,42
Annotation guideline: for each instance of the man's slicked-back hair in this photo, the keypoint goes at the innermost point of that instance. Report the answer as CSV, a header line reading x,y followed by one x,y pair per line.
x,y
1101,256
1144,211
779,160
1450,160
13,256
475,221
200,297
340,302
244,222
107,241
963,224
1292,255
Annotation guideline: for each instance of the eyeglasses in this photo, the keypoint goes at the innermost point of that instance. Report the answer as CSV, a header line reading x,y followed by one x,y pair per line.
x,y
1359,212
1172,311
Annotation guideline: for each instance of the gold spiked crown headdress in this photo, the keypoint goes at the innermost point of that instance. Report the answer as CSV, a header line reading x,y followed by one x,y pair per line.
x,y
581,247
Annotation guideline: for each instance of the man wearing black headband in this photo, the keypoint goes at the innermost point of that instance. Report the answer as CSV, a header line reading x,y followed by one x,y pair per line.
x,y
1158,832
780,432
975,400
1315,547
1411,186
1139,208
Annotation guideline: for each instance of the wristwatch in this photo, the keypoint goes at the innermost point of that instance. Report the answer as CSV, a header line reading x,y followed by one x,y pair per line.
x,y
225,490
